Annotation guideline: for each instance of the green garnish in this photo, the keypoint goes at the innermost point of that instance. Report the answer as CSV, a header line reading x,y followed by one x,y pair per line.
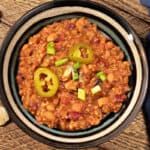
x,y
61,62
75,75
76,65
81,94
51,48
50,81
96,89
101,75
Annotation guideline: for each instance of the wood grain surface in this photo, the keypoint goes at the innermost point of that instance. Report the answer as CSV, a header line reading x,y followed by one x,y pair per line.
x,y
135,136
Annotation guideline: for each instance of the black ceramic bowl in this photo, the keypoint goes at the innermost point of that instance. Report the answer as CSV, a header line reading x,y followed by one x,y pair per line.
x,y
114,27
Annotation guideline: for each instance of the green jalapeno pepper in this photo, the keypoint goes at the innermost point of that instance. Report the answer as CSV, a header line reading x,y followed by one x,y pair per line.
x,y
75,53
45,82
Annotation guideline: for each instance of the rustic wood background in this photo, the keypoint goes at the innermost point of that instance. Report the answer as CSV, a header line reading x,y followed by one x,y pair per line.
x,y
135,136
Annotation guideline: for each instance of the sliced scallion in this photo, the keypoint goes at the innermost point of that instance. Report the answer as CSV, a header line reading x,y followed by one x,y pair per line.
x,y
61,62
76,65
75,75
51,48
101,75
96,89
81,94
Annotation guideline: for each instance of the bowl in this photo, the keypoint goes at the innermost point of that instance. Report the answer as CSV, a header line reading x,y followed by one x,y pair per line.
x,y
114,27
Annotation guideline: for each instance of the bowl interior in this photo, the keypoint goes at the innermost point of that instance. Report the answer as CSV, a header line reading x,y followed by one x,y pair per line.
x,y
108,31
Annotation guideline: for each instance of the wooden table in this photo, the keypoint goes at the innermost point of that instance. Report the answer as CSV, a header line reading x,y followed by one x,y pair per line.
x,y
133,137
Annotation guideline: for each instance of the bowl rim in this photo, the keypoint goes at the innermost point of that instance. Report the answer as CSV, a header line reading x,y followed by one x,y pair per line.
x,y
55,4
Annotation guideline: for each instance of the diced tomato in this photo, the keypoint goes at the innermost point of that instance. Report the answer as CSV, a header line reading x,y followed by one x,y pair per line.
x,y
71,26
120,98
74,115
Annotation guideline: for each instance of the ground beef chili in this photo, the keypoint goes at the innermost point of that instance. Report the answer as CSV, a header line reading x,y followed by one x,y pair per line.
x,y
77,92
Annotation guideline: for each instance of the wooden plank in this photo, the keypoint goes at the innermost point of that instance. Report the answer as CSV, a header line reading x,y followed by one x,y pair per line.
x,y
134,137
14,9
11,137
17,139
3,30
131,6
140,26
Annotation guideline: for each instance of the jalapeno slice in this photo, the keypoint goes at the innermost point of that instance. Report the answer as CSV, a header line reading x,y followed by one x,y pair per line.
x,y
81,53
45,82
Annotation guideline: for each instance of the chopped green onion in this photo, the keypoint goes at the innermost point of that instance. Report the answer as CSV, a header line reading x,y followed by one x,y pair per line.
x,y
77,65
75,75
68,71
61,62
50,48
81,94
101,75
96,89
